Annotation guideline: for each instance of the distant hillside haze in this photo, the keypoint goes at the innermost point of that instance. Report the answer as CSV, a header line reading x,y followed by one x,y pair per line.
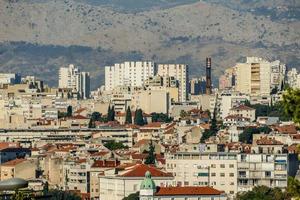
x,y
38,36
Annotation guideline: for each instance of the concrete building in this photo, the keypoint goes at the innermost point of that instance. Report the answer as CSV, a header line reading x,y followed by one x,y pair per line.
x,y
231,172
18,168
7,78
151,100
227,80
227,100
149,191
258,77
181,74
293,78
128,74
197,86
128,180
71,78
243,111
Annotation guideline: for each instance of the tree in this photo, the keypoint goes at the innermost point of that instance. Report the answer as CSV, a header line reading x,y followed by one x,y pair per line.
x,y
109,113
134,196
247,135
212,131
69,111
128,119
113,113
151,155
293,188
291,104
96,116
138,118
59,194
262,192
113,145
91,123
183,114
161,117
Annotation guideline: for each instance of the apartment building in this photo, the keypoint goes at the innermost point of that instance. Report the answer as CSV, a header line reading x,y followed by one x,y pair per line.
x,y
18,168
180,73
71,78
231,172
128,74
77,175
293,78
258,77
10,78
151,100
227,100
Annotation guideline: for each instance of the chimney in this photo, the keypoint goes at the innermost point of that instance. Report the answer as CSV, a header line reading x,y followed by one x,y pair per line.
x,y
208,76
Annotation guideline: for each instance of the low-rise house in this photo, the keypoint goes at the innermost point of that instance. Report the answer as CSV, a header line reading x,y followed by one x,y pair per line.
x,y
243,111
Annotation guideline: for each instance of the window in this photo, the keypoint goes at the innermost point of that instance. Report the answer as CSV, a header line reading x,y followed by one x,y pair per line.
x,y
222,165
213,174
231,166
213,166
222,174
231,174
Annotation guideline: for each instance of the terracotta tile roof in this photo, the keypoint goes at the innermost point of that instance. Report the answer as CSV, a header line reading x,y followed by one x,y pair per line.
x,y
268,141
242,107
139,156
81,161
287,129
99,153
153,125
141,142
187,190
139,170
105,163
4,145
80,110
13,162
79,117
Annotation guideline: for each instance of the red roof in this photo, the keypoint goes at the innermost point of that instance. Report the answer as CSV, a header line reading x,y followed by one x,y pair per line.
x,y
13,162
139,170
288,129
185,191
106,163
268,141
153,125
79,117
242,107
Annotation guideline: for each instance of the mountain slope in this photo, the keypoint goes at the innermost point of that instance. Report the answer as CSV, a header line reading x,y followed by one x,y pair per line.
x,y
180,33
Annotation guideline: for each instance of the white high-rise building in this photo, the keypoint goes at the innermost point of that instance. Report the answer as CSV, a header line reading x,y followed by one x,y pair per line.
x,y
293,78
259,77
71,77
128,74
180,73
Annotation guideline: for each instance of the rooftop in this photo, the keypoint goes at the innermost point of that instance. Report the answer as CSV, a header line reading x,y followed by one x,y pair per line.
x,y
187,190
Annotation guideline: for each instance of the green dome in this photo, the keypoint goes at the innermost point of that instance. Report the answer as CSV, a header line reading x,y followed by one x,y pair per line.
x,y
147,183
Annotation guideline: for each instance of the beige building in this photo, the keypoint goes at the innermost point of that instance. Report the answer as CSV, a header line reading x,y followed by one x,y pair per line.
x,y
181,74
18,168
151,100
128,180
231,172
258,77
243,111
